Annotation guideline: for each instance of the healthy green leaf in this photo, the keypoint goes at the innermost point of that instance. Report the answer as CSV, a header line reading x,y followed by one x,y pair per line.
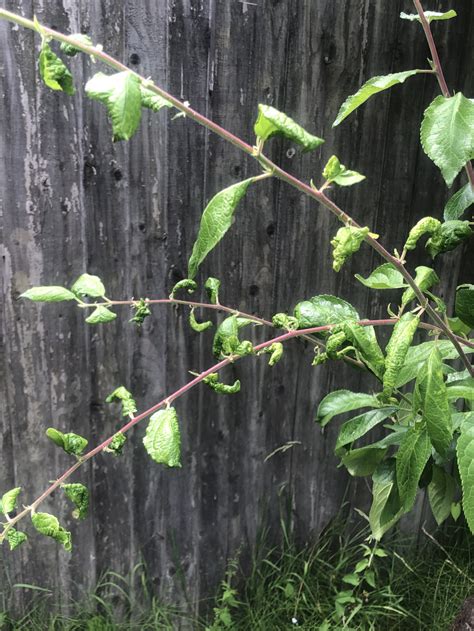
x,y
465,456
456,510
386,507
153,101
459,202
417,355
71,443
15,538
429,15
367,347
323,310
212,288
441,494
48,294
8,501
53,71
363,461
412,457
341,401
186,283
336,172
271,122
371,87
215,221
48,525
425,279
431,396
385,276
461,390
447,134
358,426
69,49
465,304
129,407
346,242
448,236
101,315
226,339
397,349
122,96
461,419
79,496
116,445
199,327
163,439
88,285
426,225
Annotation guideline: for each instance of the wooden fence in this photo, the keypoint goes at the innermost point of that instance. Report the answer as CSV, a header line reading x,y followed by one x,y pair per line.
x,y
72,201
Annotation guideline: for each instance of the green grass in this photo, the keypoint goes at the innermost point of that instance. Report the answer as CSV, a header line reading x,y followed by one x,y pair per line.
x,y
419,590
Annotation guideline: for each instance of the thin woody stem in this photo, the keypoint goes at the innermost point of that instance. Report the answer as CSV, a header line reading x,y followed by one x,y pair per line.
x,y
165,402
270,166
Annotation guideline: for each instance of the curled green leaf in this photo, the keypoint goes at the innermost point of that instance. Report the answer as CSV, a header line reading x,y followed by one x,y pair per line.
x,y
213,382
427,225
276,352
396,351
425,279
346,242
8,501
116,444
187,283
129,407
226,339
69,49
212,286
336,172
48,525
449,235
163,438
284,321
142,311
53,71
71,443
199,327
121,94
79,496
271,122
15,538
101,315
324,310
88,285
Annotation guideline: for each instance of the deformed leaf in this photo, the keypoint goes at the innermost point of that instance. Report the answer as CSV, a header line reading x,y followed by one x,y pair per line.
x,y
163,438
323,310
129,407
69,49
199,327
186,283
465,457
271,122
385,276
364,339
341,401
432,398
116,444
426,225
122,96
48,525
447,134
142,311
371,87
226,339
71,443
441,493
15,538
79,496
459,202
213,382
153,101
412,457
8,501
449,235
215,221
425,279
276,352
212,288
53,71
397,349
465,304
101,315
88,285
48,293
429,15
336,172
346,242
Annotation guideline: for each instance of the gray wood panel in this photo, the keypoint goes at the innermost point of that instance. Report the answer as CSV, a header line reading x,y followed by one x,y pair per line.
x,y
73,201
